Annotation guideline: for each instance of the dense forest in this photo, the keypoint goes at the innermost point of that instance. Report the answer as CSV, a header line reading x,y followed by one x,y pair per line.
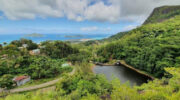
x,y
161,14
84,85
17,61
153,48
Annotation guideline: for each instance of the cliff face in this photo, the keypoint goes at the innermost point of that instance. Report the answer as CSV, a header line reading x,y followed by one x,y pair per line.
x,y
163,13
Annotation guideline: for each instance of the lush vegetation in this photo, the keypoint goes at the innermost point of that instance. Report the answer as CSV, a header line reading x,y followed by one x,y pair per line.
x,y
150,48
57,49
163,13
153,48
29,43
16,61
87,86
114,37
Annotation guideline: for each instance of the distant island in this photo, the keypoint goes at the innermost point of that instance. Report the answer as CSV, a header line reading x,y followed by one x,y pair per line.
x,y
79,40
34,35
73,36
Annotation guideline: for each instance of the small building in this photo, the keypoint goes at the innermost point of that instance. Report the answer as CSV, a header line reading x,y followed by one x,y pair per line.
x,y
65,65
21,80
24,45
35,52
5,56
20,48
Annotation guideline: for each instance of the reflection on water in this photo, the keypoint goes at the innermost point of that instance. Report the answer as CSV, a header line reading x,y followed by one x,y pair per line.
x,y
121,72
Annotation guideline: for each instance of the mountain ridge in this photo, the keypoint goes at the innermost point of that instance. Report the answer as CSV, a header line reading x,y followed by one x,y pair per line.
x,y
162,13
166,12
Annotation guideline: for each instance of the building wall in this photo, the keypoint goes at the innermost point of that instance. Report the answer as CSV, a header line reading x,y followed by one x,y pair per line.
x,y
22,82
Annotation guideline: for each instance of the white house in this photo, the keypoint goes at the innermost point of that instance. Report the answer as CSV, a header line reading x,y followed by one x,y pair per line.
x,y
24,45
20,80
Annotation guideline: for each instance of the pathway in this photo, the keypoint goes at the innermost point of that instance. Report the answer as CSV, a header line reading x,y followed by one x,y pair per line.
x,y
35,87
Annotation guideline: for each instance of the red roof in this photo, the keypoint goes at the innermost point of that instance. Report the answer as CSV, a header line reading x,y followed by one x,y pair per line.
x,y
19,78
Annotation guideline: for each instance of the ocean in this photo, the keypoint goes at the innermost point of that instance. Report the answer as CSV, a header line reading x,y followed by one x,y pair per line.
x,y
63,37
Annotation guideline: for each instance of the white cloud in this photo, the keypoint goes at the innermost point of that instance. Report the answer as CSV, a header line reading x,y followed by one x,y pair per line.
x,y
93,28
102,12
28,9
139,10
129,27
79,10
106,29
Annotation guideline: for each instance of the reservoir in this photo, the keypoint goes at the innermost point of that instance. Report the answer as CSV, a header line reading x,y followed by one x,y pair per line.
x,y
124,74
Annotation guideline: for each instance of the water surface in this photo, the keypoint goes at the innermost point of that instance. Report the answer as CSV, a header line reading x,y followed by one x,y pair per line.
x,y
63,37
123,73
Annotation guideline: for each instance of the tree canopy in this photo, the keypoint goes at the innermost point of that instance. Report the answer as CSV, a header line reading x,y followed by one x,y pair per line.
x,y
150,47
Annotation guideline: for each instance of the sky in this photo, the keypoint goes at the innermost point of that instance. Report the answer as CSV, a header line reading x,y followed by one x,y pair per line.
x,y
75,16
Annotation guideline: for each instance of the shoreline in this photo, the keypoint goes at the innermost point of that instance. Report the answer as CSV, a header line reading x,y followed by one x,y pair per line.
x,y
53,37
124,64
92,67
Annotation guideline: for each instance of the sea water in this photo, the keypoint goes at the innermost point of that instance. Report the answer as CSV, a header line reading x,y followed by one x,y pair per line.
x,y
63,37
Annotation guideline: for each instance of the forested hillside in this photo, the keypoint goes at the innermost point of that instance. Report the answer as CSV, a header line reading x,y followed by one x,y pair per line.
x,y
163,13
158,15
114,37
17,60
150,47
87,86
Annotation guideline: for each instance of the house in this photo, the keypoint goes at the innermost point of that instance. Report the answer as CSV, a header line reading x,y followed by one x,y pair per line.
x,y
20,80
5,56
24,45
35,52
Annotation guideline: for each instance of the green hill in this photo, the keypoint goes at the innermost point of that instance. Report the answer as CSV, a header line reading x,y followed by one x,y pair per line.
x,y
114,37
163,13
150,48
158,15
